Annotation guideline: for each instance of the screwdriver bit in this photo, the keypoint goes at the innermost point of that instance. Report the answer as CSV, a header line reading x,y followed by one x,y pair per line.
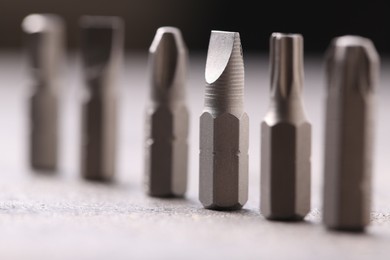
x,y
285,135
167,116
44,40
101,54
224,126
352,70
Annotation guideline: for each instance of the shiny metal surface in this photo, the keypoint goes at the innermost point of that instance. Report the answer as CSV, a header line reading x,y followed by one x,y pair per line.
x,y
224,126
167,123
352,69
44,47
285,135
101,53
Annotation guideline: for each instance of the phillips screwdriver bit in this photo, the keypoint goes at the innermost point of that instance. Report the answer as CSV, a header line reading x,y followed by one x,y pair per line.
x,y
101,54
44,36
285,135
352,70
167,116
224,126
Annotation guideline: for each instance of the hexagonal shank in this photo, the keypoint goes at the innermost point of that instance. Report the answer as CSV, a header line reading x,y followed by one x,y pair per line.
x,y
285,168
44,130
223,161
166,151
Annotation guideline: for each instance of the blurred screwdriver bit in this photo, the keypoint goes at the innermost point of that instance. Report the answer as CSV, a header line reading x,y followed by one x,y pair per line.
x,y
224,126
167,116
285,135
44,36
102,54
352,67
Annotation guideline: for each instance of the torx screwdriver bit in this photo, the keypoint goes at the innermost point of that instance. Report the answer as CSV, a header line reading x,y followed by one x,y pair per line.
x,y
44,40
166,148
285,135
224,126
352,70
102,56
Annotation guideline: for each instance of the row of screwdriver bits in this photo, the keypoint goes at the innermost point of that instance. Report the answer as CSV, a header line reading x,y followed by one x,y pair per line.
x,y
352,68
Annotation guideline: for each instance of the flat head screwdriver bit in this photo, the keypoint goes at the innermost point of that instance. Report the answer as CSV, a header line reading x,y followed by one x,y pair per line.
x,y
44,40
166,148
352,72
224,126
102,39
285,135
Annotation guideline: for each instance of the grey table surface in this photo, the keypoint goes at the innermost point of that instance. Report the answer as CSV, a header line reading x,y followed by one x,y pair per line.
x,y
62,216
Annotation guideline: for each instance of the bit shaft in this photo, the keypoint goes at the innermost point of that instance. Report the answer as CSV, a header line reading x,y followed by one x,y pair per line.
x,y
167,122
224,126
286,135
45,50
102,51
352,67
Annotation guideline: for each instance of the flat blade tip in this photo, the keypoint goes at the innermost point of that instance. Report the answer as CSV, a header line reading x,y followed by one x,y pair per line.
x,y
220,51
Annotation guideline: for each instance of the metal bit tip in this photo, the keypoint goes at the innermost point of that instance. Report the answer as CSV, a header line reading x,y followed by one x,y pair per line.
x,y
168,33
45,45
286,62
354,53
38,23
168,57
102,42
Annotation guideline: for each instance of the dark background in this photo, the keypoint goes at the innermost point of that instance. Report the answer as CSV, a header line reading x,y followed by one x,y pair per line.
x,y
317,21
